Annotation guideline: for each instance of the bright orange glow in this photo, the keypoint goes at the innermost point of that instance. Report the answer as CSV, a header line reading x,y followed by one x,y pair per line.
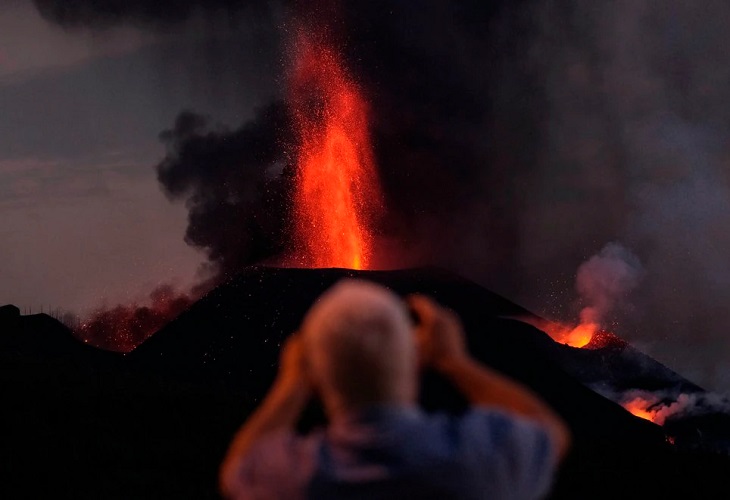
x,y
639,407
337,192
651,407
579,336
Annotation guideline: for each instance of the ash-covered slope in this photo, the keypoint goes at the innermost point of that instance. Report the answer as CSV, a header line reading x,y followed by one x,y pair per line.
x,y
251,314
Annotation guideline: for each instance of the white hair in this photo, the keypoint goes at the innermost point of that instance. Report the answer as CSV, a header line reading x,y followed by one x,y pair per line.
x,y
361,346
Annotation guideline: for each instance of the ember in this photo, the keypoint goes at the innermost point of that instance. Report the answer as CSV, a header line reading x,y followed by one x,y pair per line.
x,y
124,327
337,192
602,282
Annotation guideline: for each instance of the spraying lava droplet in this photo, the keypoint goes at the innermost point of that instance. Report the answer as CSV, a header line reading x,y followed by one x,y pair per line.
x,y
123,327
337,192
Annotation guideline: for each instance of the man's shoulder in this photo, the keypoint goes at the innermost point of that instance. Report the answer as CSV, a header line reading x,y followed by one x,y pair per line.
x,y
478,419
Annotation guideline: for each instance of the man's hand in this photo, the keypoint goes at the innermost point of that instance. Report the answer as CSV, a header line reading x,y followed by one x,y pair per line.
x,y
439,334
440,338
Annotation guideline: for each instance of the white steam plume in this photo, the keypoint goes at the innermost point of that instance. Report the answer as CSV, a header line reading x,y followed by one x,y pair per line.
x,y
604,280
662,406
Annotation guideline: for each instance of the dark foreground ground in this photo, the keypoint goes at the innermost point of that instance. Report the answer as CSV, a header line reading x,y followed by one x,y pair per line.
x,y
84,423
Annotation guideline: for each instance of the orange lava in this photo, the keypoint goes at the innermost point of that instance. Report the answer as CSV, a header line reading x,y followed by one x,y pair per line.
x,y
640,407
579,336
337,194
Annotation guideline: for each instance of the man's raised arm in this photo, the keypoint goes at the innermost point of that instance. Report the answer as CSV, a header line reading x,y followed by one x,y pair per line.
x,y
442,346
280,409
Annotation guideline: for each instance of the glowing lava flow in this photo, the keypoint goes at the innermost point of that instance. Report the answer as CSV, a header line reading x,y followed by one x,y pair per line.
x,y
640,407
579,336
657,408
337,192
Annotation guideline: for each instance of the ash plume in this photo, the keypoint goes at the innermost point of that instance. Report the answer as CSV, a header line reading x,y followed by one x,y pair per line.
x,y
235,184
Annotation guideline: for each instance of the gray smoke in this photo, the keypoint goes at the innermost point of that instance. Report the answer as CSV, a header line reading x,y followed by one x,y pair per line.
x,y
605,280
636,131
669,405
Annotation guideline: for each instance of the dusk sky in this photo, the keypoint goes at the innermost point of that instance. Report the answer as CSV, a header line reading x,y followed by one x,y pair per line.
x,y
515,141
83,217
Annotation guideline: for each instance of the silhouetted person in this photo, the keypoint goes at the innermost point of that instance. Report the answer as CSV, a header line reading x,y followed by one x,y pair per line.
x,y
360,353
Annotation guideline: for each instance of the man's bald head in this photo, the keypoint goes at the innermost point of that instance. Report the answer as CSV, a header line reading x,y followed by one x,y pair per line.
x,y
361,347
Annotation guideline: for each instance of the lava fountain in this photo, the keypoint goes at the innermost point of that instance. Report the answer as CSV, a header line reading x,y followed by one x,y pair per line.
x,y
337,195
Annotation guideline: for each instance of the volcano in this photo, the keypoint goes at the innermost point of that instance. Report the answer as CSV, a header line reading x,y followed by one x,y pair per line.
x,y
86,423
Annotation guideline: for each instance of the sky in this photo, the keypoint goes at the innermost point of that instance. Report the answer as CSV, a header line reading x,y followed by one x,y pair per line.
x,y
84,220
516,141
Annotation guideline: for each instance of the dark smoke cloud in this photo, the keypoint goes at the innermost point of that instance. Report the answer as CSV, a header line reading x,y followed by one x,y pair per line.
x,y
235,184
158,13
514,140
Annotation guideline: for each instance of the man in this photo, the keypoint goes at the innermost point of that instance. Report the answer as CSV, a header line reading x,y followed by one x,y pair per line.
x,y
359,351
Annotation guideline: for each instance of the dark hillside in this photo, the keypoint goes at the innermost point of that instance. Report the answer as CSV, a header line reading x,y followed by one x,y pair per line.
x,y
86,423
